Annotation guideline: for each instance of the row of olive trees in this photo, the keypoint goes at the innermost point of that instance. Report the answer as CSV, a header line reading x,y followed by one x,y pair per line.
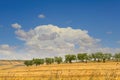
x,y
84,57
81,57
37,61
99,56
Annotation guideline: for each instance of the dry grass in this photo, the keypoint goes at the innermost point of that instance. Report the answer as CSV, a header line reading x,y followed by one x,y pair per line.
x,y
74,71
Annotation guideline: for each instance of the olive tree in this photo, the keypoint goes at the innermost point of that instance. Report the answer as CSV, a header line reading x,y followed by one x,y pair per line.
x,y
28,62
99,56
49,60
38,61
69,58
106,56
82,56
117,56
58,60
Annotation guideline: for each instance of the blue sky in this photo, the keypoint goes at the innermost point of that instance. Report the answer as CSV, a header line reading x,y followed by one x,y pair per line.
x,y
99,17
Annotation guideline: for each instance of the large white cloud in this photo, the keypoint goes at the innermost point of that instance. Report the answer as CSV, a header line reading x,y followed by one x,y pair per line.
x,y
55,38
49,41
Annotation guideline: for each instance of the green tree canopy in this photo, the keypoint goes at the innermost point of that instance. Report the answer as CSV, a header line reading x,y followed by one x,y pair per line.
x,y
38,61
28,62
69,58
49,60
58,59
117,56
82,56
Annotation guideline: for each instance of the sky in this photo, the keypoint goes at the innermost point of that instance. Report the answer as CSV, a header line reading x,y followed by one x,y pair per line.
x,y
47,28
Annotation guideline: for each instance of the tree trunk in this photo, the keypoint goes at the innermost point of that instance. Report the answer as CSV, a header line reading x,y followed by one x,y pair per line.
x,y
94,59
103,60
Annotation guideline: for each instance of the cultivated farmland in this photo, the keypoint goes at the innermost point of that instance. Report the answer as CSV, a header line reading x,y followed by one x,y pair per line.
x,y
16,70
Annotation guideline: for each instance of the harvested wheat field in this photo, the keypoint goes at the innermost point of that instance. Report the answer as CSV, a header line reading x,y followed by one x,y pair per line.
x,y
74,71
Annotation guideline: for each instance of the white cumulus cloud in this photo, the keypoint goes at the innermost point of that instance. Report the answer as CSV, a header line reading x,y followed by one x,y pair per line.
x,y
53,39
5,49
16,26
41,16
50,40
10,52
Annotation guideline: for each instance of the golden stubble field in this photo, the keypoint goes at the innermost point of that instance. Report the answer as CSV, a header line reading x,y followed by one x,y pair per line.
x,y
15,70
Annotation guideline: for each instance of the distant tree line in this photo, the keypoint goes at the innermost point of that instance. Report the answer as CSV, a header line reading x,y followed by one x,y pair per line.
x,y
80,57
